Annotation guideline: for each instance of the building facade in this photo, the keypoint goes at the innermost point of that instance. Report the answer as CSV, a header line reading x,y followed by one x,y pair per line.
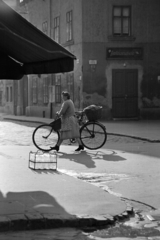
x,y
117,45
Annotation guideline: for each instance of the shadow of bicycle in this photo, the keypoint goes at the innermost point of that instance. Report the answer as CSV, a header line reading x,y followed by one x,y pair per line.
x,y
89,157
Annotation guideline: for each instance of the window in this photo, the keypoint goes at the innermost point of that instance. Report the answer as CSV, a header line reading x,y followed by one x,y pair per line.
x,y
57,29
7,94
69,26
45,27
1,92
34,90
70,85
45,91
121,21
11,94
58,89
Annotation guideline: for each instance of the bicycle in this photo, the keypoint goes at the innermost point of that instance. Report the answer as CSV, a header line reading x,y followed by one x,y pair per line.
x,y
93,134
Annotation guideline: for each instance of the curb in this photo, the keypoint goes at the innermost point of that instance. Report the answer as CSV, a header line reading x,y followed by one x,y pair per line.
x,y
28,221
22,120
134,137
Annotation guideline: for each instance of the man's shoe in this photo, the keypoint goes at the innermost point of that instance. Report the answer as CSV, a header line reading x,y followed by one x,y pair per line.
x,y
79,148
55,148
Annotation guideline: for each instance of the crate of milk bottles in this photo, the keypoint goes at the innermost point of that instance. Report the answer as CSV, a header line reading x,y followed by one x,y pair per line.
x,y
43,160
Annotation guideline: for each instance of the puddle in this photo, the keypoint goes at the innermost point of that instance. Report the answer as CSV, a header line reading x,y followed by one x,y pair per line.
x,y
99,179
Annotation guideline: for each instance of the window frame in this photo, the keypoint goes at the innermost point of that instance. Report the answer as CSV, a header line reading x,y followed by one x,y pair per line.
x,y
70,84
56,29
45,27
121,17
58,88
69,25
7,94
35,90
45,90
11,94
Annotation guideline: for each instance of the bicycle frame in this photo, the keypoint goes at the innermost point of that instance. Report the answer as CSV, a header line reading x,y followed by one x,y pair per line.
x,y
45,137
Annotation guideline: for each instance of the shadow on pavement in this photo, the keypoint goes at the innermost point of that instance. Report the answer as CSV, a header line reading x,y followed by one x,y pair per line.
x,y
80,157
88,157
111,156
31,203
46,171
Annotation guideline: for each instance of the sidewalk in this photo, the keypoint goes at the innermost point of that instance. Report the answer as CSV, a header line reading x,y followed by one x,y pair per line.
x,y
48,199
142,129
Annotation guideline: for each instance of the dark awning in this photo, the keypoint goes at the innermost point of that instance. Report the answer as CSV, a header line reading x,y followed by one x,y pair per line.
x,y
24,49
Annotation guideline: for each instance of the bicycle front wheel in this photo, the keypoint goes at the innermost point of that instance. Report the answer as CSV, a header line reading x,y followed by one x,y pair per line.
x,y
93,135
44,137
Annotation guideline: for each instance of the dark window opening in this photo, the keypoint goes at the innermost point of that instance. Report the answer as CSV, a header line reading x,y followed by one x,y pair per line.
x,y
121,21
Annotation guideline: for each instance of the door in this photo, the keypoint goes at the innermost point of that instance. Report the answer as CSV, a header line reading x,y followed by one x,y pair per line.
x,y
125,93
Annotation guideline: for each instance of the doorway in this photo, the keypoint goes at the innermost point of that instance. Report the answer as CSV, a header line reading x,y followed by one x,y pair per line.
x,y
125,93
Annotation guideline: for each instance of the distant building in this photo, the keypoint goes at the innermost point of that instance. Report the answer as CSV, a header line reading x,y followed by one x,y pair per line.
x,y
117,45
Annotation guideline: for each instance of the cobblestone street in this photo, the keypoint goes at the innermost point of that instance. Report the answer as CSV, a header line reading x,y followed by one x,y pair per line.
x,y
12,133
20,133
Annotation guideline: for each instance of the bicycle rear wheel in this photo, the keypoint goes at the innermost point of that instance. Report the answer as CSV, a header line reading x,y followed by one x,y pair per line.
x,y
93,135
44,137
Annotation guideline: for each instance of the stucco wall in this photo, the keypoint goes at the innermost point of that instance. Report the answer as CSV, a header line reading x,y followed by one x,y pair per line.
x,y
97,37
94,78
60,8
39,12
